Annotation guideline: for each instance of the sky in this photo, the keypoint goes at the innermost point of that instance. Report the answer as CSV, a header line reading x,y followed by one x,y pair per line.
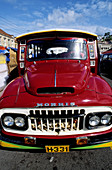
x,y
21,16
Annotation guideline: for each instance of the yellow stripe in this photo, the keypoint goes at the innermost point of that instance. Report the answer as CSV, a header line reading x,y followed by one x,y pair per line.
x,y
38,32
11,145
104,145
8,145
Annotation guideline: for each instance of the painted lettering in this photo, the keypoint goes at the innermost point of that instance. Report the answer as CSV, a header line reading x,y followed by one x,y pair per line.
x,y
46,104
53,104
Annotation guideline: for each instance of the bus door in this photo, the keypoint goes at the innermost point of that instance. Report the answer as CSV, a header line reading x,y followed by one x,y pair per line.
x,y
93,55
21,57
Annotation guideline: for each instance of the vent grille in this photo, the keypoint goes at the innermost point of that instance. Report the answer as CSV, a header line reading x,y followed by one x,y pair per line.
x,y
55,90
56,120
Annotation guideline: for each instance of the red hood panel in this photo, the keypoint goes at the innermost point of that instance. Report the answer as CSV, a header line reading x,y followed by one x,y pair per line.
x,y
57,74
96,93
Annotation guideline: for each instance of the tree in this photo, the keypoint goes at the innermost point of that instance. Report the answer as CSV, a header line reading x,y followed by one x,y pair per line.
x,y
107,36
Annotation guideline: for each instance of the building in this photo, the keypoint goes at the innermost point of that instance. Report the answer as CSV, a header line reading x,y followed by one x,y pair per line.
x,y
104,47
7,44
6,40
108,51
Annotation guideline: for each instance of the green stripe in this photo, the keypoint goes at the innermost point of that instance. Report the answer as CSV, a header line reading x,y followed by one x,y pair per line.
x,y
85,147
21,146
91,147
31,147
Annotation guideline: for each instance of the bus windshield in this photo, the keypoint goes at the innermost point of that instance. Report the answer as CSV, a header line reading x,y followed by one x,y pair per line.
x,y
57,49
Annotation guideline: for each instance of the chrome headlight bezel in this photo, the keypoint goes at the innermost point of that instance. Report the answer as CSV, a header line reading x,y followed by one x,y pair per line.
x,y
99,116
14,116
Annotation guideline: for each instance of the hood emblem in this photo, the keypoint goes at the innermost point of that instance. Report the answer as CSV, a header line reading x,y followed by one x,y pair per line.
x,y
55,104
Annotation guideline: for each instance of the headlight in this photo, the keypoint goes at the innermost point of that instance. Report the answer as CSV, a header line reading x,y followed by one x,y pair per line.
x,y
19,121
94,121
105,119
8,121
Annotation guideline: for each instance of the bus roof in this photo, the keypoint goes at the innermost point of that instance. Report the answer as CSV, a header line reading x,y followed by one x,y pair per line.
x,y
61,31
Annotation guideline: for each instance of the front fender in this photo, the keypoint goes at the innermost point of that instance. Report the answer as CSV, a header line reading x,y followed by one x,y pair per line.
x,y
12,91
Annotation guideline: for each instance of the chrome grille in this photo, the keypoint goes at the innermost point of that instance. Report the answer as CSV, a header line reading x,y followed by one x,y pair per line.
x,y
56,120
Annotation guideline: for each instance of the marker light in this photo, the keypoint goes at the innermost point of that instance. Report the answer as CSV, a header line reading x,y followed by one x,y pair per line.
x,y
81,140
30,140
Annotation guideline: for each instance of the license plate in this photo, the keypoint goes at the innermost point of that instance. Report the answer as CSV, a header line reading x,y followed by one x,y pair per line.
x,y
57,149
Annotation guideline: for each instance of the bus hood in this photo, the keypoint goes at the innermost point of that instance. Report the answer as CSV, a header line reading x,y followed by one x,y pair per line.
x,y
55,78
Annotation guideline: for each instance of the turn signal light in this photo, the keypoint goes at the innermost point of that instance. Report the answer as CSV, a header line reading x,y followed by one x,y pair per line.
x,y
81,140
30,140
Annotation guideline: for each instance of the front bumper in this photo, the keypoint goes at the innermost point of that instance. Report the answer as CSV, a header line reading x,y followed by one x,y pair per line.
x,y
94,142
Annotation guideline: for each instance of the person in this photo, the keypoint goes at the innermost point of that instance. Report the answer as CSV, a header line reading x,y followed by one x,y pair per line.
x,y
7,61
3,71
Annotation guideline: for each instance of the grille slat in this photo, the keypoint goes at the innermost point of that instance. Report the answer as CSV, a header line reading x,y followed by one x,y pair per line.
x,y
35,121
54,124
60,124
41,124
47,124
56,120
66,124
71,123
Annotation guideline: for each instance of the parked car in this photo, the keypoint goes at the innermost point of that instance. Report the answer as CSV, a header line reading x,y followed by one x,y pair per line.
x,y
106,64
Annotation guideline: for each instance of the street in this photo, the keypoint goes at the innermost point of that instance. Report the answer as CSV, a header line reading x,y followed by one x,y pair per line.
x,y
89,160
100,159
